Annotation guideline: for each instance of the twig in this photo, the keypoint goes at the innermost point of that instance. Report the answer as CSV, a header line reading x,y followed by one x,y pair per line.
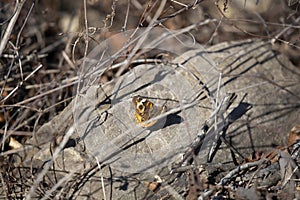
x,y
23,25
46,93
179,3
185,8
290,176
19,133
10,27
276,38
143,38
102,180
237,170
126,16
21,83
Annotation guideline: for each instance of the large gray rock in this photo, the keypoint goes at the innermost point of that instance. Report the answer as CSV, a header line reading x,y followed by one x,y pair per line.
x,y
266,108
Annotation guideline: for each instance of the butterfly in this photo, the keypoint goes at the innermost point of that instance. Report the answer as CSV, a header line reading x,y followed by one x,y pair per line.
x,y
145,110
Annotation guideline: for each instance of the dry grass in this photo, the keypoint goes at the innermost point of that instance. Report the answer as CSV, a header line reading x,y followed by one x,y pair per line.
x,y
44,43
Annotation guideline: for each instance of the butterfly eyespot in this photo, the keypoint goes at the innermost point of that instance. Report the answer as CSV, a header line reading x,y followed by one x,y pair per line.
x,y
141,108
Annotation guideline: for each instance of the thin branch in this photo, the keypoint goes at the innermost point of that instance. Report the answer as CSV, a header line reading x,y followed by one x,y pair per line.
x,y
126,16
10,27
21,83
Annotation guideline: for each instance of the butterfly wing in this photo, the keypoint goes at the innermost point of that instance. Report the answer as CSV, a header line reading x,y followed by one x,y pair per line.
x,y
146,110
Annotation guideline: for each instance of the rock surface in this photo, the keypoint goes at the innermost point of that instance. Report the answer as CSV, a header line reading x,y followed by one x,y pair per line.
x,y
266,108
